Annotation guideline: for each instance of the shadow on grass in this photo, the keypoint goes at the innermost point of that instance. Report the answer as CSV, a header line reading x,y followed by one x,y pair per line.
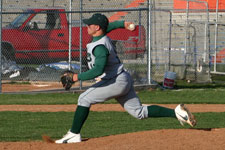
x,y
183,84
200,86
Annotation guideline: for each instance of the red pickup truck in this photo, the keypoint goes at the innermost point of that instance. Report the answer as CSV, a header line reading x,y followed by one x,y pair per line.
x,y
42,35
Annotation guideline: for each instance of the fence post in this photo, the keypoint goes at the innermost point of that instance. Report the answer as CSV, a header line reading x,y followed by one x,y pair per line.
x,y
81,38
186,37
70,32
1,46
149,41
170,40
216,34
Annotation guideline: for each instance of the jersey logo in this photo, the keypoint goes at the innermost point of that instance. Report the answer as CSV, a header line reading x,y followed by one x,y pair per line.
x,y
89,57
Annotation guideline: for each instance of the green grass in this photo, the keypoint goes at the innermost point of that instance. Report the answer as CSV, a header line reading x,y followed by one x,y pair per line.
x,y
188,96
34,99
25,126
21,82
185,95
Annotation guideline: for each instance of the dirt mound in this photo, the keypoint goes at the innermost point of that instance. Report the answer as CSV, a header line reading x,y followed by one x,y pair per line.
x,y
185,139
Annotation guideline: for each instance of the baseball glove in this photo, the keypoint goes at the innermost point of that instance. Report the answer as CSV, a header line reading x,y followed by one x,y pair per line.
x,y
67,79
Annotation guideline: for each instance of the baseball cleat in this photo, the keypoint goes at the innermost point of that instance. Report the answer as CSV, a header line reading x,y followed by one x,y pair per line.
x,y
184,115
69,138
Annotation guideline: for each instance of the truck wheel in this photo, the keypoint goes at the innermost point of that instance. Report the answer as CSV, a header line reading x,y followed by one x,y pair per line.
x,y
120,50
84,64
8,52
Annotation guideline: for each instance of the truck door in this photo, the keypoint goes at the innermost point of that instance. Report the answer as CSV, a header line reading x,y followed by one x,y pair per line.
x,y
45,37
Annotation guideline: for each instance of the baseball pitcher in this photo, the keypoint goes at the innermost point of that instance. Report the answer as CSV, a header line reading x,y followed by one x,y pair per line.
x,y
115,82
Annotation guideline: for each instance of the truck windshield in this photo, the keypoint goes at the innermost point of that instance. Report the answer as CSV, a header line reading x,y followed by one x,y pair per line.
x,y
19,20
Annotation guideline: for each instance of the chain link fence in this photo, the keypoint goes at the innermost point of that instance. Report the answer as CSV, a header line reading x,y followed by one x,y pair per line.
x,y
187,35
181,43
41,39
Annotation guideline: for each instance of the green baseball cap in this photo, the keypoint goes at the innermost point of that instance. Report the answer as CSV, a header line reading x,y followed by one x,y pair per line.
x,y
97,19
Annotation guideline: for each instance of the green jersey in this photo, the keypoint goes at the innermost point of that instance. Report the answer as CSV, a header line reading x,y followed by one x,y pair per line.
x,y
101,54
113,67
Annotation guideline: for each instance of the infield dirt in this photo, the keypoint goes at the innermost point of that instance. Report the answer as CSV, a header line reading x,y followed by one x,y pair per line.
x,y
178,139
